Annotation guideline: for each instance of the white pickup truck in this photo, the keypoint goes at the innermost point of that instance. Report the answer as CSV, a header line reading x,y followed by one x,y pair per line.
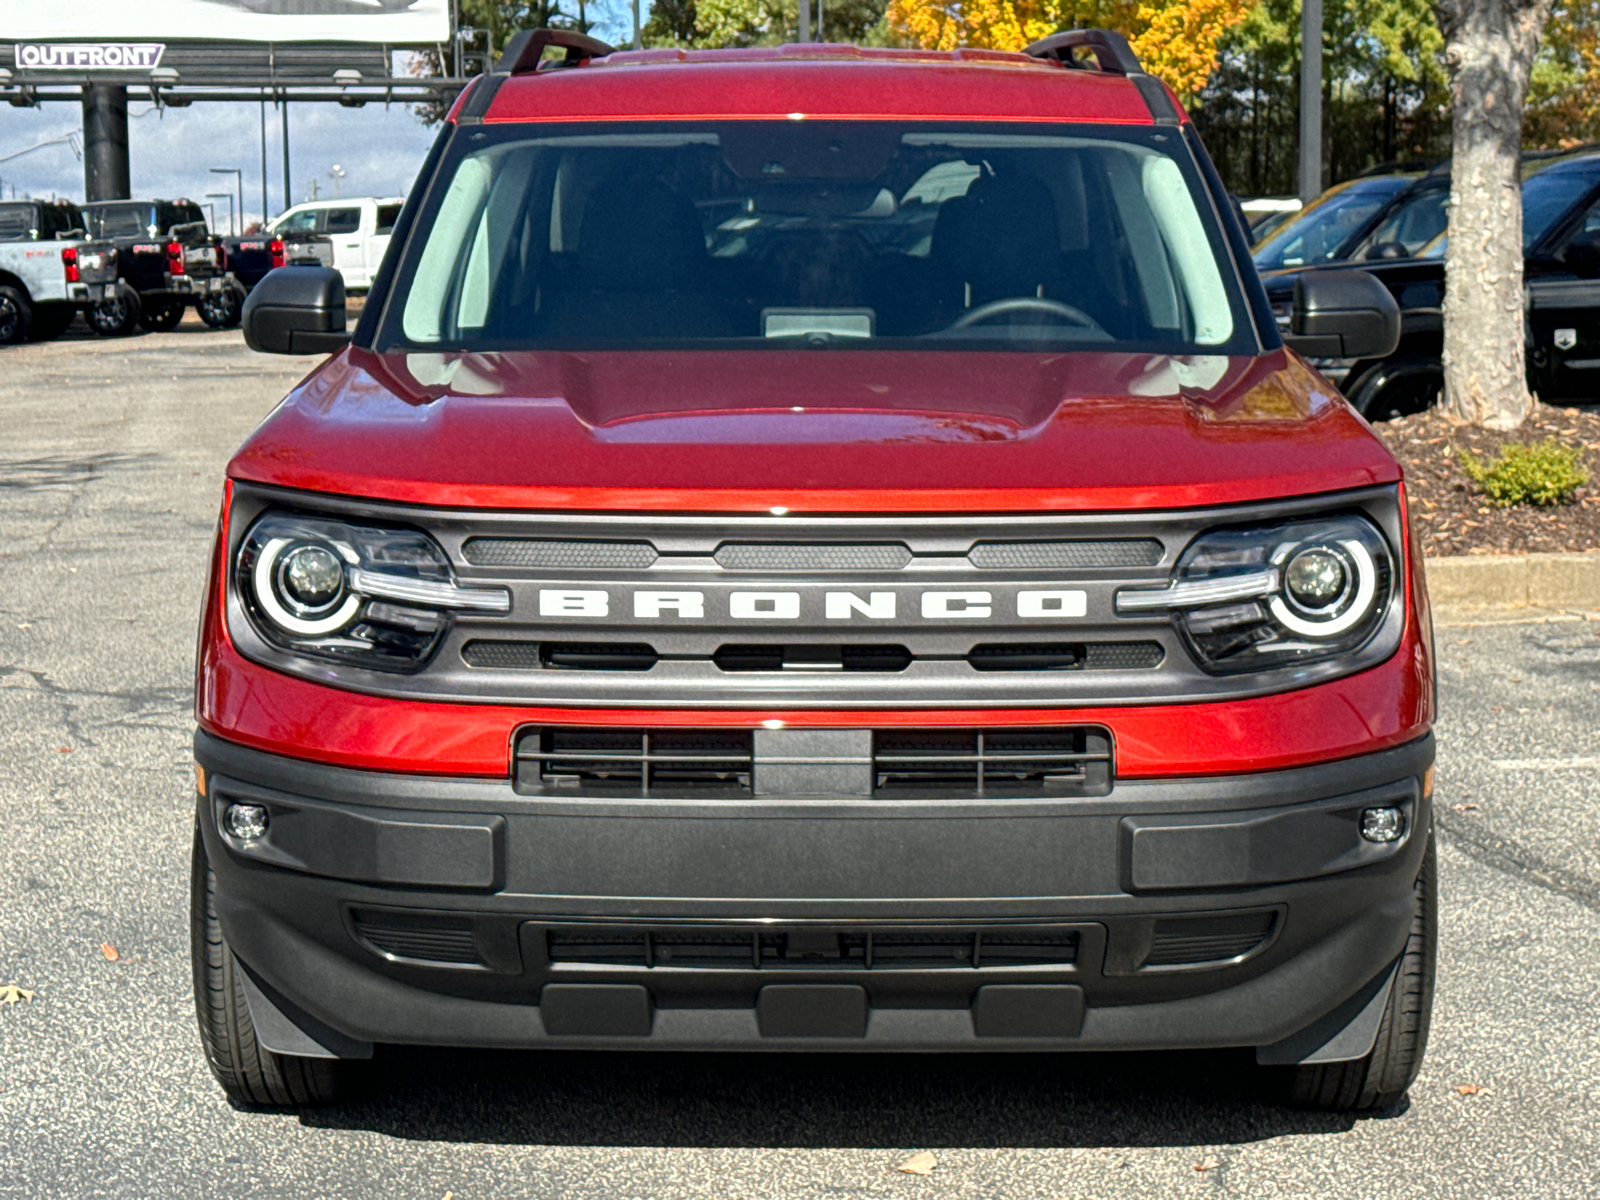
x,y
39,289
359,230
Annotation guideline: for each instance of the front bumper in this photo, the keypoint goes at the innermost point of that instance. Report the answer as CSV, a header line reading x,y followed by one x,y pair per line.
x,y
1239,910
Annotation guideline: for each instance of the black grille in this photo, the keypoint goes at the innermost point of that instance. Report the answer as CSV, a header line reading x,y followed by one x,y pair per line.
x,y
544,552
1184,941
635,761
563,656
992,762
1029,556
813,658
419,937
1122,656
725,948
1065,656
783,556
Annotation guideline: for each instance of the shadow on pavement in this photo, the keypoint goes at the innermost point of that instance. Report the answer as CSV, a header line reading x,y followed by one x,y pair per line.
x,y
820,1100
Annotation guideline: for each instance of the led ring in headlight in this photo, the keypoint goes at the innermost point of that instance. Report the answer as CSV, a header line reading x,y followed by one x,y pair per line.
x,y
1342,616
272,592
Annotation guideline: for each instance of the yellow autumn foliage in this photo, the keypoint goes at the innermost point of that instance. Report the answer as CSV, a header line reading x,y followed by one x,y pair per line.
x,y
1175,39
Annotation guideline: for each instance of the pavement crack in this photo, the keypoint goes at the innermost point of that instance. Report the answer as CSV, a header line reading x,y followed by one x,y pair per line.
x,y
139,707
1476,841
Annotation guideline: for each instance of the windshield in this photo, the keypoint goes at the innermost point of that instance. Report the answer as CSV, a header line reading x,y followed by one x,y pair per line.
x,y
121,220
1547,196
767,233
1321,231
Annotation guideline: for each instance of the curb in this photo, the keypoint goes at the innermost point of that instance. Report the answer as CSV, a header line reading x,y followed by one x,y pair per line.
x,y
1483,582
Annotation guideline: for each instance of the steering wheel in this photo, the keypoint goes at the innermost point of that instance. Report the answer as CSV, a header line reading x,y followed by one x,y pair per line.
x,y
1014,304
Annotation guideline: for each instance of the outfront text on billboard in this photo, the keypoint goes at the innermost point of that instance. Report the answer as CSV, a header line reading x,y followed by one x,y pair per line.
x,y
102,22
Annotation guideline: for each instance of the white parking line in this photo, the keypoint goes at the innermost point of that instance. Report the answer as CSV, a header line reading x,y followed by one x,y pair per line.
x,y
1547,764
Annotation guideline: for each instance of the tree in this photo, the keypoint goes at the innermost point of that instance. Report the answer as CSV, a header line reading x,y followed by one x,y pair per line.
x,y
1489,49
1175,39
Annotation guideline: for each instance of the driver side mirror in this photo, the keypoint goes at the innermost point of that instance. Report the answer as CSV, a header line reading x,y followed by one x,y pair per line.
x,y
296,310
1583,253
1342,314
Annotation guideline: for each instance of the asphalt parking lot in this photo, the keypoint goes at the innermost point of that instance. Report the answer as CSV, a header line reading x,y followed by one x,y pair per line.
x,y
111,459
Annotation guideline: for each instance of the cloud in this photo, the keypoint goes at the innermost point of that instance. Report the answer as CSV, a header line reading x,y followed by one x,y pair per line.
x,y
170,151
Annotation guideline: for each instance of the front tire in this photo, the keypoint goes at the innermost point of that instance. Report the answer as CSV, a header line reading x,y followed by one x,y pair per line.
x,y
50,321
161,318
1381,1078
249,1073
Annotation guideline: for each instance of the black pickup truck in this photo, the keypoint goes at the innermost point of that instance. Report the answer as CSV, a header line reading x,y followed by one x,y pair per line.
x,y
250,257
1561,248
147,261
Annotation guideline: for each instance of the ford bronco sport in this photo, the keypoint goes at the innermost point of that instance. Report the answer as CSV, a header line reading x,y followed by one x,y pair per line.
x,y
815,548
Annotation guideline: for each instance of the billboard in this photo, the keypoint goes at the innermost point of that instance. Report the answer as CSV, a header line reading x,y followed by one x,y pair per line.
x,y
390,22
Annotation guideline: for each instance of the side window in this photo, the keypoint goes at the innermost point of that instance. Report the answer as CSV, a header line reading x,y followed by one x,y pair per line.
x,y
300,222
388,214
1591,219
343,220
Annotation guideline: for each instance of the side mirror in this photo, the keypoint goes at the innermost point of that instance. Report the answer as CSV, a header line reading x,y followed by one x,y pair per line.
x,y
296,310
1583,252
1342,314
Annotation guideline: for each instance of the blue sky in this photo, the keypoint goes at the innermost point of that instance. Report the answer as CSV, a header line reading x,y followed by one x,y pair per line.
x,y
170,151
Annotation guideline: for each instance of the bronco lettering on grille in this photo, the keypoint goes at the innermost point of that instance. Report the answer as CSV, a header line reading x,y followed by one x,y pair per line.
x,y
652,605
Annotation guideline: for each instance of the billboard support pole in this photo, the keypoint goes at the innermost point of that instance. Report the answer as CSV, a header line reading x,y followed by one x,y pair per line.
x,y
288,195
105,142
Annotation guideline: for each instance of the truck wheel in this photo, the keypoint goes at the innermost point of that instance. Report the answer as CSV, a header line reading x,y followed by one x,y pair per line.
x,y
1381,1078
16,315
1398,388
249,1073
161,318
50,321
221,310
116,316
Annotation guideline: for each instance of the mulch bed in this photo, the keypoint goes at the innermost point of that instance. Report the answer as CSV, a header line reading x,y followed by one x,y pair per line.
x,y
1453,516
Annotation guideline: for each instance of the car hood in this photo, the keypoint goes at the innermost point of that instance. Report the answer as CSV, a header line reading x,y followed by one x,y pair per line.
x,y
841,430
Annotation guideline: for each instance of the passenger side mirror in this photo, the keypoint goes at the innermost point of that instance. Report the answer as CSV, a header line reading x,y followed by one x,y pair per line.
x,y
1583,253
296,310
1342,314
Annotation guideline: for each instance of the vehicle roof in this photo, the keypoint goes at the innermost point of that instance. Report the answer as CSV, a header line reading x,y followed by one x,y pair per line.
x,y
819,81
338,202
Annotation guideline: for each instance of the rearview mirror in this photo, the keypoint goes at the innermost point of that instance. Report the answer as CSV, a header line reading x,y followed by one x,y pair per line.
x,y
296,310
1342,314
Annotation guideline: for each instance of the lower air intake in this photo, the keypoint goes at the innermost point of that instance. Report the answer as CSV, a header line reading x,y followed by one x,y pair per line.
x,y
420,937
1187,941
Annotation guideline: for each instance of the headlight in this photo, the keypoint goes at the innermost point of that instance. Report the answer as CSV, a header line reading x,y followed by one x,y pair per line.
x,y
1251,599
378,597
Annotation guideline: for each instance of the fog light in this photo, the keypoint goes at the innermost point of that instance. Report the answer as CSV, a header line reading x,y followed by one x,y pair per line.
x,y
249,821
1386,824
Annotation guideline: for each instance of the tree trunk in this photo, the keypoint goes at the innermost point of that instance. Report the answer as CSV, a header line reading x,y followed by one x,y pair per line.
x,y
1489,48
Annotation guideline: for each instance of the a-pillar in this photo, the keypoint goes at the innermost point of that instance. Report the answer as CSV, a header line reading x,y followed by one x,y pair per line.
x,y
105,142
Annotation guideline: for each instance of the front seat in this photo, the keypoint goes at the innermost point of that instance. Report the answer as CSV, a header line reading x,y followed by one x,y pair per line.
x,y
642,269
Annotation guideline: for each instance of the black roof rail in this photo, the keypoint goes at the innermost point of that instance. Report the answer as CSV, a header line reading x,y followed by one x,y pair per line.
x,y
526,48
1113,55
1110,49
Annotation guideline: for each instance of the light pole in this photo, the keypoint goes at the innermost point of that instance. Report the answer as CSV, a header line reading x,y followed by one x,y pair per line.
x,y
1310,100
337,174
228,196
238,176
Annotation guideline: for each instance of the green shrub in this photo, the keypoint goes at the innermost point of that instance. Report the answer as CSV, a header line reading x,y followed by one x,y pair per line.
x,y
1543,473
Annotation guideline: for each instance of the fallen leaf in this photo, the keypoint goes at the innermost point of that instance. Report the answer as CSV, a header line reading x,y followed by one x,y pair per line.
x,y
921,1163
1465,807
1208,1163
63,749
10,993
109,951
1470,1089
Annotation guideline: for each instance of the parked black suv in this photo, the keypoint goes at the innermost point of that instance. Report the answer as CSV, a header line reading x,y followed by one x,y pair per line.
x,y
1382,214
1561,244
151,259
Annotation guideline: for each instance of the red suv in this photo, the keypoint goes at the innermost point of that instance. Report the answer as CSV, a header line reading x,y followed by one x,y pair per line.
x,y
815,548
